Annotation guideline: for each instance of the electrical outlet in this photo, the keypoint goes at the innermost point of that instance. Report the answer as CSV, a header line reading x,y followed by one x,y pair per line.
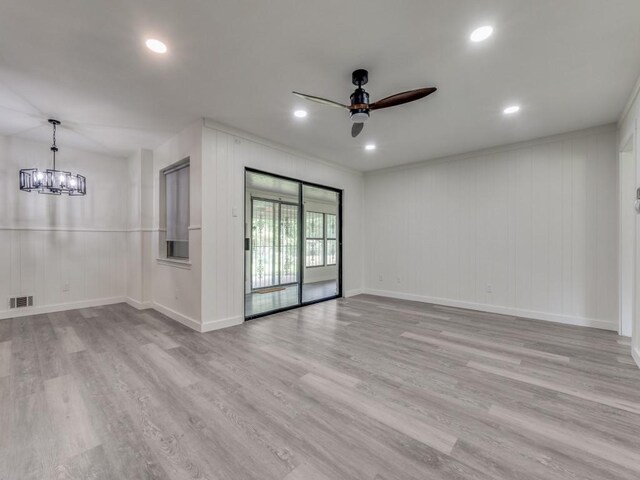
x,y
66,287
398,280
489,288
380,277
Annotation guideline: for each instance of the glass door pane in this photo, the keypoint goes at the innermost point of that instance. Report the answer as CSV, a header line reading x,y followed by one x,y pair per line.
x,y
321,253
272,243
289,244
263,240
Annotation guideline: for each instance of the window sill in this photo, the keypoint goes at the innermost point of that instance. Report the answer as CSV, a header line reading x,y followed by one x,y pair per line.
x,y
174,262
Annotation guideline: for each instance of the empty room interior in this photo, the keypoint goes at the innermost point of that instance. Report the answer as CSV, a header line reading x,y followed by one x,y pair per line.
x,y
336,240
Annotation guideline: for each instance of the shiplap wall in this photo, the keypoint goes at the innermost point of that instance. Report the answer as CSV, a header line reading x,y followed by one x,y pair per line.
x,y
51,242
533,223
225,155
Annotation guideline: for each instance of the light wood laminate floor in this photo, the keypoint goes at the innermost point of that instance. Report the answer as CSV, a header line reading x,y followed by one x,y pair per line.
x,y
359,388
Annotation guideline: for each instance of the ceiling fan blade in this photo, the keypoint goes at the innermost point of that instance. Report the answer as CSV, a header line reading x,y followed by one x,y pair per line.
x,y
323,101
356,128
400,98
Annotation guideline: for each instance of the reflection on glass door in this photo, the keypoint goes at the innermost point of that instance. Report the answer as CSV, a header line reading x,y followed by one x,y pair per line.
x,y
292,243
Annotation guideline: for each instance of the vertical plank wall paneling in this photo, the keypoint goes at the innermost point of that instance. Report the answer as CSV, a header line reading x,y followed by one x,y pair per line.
x,y
523,230
226,153
64,251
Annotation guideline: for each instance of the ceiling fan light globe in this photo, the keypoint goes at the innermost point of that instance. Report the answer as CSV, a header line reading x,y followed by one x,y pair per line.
x,y
359,116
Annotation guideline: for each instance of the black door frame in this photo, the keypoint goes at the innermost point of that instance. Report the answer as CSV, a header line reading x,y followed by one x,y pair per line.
x,y
301,184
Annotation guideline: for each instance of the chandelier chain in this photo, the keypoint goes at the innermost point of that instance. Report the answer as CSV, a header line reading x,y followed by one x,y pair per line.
x,y
54,148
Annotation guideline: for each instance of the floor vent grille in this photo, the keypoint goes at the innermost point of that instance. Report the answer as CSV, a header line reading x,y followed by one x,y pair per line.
x,y
21,302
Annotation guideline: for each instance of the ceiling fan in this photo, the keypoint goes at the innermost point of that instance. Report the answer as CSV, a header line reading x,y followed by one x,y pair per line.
x,y
360,106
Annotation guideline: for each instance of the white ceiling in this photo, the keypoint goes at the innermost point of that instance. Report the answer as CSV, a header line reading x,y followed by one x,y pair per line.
x,y
570,64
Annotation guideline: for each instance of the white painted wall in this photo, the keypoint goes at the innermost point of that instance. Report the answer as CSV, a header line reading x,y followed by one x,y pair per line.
x,y
176,286
50,242
225,155
627,239
140,228
534,223
628,131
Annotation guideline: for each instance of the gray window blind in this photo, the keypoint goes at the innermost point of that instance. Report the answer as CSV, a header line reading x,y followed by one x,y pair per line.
x,y
177,194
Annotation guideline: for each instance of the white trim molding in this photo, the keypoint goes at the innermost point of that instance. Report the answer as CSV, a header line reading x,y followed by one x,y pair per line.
x,y
66,229
211,325
59,307
630,101
511,311
354,292
139,305
79,230
194,324
178,317
610,127
635,353
170,262
242,135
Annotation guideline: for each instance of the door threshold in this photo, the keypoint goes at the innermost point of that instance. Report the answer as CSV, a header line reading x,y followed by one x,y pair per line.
x,y
292,307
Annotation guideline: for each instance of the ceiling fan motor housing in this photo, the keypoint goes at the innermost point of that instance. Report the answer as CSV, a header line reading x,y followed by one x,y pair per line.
x,y
359,111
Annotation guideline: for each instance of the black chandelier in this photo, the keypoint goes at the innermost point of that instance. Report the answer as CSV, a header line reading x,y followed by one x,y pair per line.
x,y
52,181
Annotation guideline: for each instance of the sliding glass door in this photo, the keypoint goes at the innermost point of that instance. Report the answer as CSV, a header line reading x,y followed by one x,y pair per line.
x,y
292,243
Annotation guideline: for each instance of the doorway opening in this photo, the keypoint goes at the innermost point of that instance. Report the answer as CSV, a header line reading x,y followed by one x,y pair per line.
x,y
293,247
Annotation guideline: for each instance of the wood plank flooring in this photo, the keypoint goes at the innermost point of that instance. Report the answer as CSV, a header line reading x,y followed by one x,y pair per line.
x,y
359,388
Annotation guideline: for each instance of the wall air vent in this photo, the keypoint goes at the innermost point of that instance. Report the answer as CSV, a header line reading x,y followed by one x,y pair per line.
x,y
21,302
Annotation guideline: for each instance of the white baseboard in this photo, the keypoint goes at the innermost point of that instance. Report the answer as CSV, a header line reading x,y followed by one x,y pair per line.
x,y
516,312
59,307
354,292
178,317
194,324
635,353
138,305
221,323
97,302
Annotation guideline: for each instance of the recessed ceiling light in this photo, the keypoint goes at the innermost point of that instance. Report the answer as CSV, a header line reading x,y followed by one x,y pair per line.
x,y
482,33
300,113
511,109
370,146
156,45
